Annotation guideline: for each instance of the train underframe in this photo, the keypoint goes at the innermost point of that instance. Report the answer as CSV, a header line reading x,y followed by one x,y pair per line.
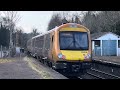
x,y
66,68
72,68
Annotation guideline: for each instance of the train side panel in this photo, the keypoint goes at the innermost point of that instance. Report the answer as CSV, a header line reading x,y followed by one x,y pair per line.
x,y
46,46
43,46
39,42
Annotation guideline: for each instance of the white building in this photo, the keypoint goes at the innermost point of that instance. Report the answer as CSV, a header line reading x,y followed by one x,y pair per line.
x,y
105,44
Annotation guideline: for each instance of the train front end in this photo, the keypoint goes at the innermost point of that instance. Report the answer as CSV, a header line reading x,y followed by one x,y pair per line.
x,y
73,48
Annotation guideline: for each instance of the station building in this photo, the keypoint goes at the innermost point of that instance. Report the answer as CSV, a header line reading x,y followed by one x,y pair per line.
x,y
105,44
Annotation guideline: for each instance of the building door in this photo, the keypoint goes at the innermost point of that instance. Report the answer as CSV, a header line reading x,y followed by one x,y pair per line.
x,y
109,48
97,48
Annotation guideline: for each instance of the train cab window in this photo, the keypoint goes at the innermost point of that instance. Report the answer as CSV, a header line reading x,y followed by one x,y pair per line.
x,y
73,40
118,43
97,43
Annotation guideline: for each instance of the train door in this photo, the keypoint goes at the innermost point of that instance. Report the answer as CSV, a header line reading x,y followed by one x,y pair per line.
x,y
52,39
97,48
32,46
109,48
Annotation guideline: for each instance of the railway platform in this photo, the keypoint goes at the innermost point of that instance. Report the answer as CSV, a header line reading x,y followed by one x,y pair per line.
x,y
26,68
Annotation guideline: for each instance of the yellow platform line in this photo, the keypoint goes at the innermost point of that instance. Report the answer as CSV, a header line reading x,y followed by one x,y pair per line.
x,y
6,60
43,74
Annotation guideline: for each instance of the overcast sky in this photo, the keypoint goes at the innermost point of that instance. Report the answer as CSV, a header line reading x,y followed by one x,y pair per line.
x,y
35,19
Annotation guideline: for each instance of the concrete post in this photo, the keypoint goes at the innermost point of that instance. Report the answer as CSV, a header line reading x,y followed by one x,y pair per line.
x,y
1,51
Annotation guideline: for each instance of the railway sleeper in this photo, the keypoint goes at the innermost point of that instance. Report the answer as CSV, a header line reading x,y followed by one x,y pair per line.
x,y
102,74
106,74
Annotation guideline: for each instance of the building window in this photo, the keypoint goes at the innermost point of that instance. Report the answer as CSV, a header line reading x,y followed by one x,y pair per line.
x,y
97,43
118,43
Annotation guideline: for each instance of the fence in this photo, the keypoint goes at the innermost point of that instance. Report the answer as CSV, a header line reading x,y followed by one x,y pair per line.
x,y
4,51
14,52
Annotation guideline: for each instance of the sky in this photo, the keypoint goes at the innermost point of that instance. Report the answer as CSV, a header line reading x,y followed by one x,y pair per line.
x,y
36,19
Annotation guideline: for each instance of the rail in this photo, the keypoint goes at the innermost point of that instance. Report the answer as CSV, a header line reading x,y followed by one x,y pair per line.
x,y
106,63
101,74
101,69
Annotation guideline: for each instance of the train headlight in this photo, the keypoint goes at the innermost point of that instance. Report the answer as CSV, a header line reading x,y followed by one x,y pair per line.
x,y
87,56
61,56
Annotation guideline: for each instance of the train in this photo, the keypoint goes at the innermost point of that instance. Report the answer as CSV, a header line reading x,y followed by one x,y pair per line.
x,y
65,48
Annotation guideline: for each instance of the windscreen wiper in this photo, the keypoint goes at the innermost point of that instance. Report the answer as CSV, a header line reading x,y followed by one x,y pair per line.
x,y
81,48
69,45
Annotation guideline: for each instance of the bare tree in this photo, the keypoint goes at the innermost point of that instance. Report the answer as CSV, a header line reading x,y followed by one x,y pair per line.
x,y
19,33
102,21
54,21
12,16
90,20
11,19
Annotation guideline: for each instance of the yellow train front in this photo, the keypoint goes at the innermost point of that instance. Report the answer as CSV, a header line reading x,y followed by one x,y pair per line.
x,y
72,48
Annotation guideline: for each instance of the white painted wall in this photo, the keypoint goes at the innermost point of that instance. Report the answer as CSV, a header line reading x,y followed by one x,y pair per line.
x,y
17,50
118,51
1,54
93,45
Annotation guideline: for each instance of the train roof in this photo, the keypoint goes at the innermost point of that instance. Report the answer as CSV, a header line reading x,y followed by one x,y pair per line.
x,y
56,28
46,32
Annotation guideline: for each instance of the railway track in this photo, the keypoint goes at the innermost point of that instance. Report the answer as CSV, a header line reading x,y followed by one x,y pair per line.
x,y
102,70
97,74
